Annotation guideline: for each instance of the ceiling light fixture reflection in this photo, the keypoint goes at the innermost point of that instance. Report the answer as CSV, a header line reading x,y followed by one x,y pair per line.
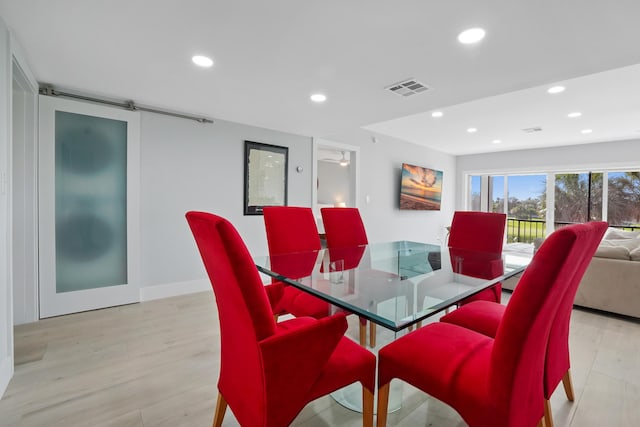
x,y
556,89
472,130
470,36
574,114
202,61
437,114
496,141
586,131
318,97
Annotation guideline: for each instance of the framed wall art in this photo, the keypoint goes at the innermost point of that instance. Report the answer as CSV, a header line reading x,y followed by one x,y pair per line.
x,y
420,188
265,176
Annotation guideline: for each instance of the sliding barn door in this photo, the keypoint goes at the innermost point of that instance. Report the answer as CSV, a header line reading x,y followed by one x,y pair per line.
x,y
88,210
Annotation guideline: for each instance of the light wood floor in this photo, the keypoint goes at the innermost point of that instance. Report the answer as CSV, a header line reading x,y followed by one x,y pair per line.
x,y
156,364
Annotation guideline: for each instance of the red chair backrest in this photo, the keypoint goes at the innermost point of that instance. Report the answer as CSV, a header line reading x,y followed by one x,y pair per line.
x,y
343,227
290,229
477,231
518,356
243,309
557,362
475,244
483,265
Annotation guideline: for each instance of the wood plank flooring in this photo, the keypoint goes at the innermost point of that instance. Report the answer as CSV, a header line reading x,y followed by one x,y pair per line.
x,y
156,364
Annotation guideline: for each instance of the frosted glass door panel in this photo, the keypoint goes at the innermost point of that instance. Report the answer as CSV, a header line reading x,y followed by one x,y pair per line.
x,y
90,201
88,206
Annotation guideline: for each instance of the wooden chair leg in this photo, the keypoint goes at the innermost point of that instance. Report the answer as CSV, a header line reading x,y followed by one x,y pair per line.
x,y
541,423
372,334
367,408
383,403
419,324
221,407
548,415
568,386
363,333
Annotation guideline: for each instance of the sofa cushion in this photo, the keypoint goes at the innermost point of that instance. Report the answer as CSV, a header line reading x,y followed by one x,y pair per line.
x,y
617,248
617,234
635,254
615,252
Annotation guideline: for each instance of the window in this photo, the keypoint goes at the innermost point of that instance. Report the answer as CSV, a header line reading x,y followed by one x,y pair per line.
x,y
612,196
578,198
496,189
526,205
475,183
624,199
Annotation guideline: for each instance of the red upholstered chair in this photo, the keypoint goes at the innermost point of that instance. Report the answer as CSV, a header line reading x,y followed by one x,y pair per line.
x,y
478,232
485,317
269,371
491,382
344,228
293,229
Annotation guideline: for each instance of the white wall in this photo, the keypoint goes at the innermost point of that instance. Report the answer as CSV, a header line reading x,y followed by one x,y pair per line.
x,y
380,165
191,166
187,165
618,154
6,312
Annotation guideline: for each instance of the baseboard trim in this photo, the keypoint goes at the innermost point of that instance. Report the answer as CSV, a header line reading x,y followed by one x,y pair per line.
x,y
6,372
167,290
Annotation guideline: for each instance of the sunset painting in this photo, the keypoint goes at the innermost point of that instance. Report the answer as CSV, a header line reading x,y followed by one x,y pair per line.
x,y
421,188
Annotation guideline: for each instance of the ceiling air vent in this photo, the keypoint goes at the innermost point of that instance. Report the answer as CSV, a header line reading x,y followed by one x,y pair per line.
x,y
407,87
532,130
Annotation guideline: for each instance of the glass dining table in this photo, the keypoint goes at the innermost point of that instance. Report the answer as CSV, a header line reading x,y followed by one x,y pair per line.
x,y
415,280
393,284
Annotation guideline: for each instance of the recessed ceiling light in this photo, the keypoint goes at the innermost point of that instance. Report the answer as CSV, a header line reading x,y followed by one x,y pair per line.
x,y
437,114
586,131
574,114
318,97
472,35
556,89
472,130
496,141
202,61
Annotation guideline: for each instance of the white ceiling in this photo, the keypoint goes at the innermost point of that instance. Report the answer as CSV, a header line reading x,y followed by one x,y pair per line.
x,y
271,55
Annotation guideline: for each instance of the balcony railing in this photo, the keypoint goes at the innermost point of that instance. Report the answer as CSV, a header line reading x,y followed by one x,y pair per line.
x,y
527,230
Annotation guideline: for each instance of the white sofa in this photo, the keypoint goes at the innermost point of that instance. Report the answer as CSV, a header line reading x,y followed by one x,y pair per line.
x,y
612,280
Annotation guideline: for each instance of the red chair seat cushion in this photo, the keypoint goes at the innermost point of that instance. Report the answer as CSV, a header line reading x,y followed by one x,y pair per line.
x,y
349,363
305,304
294,323
453,370
480,316
492,294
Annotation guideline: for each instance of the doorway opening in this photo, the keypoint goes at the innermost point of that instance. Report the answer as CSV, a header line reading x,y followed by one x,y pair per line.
x,y
24,200
335,176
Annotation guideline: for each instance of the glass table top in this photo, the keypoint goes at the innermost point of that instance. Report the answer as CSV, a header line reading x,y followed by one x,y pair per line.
x,y
394,284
